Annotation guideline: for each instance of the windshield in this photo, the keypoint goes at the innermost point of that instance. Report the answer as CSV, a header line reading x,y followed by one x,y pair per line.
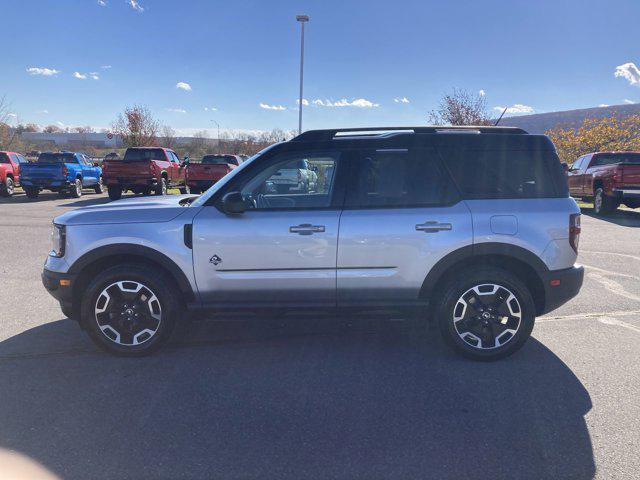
x,y
137,154
616,158
57,158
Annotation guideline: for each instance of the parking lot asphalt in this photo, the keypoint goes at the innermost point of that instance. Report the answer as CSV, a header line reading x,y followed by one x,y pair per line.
x,y
293,397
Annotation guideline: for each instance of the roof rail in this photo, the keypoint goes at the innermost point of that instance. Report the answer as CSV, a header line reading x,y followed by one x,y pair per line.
x,y
330,134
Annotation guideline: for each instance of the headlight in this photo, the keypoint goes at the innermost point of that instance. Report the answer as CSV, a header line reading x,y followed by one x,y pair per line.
x,y
58,240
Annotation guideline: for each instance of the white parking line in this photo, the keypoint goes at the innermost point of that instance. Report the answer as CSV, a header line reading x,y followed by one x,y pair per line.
x,y
612,253
582,316
620,323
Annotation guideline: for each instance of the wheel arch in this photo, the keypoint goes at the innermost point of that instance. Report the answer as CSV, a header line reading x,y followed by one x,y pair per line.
x,y
101,258
514,259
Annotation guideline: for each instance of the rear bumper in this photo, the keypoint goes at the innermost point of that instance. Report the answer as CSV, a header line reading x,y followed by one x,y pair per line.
x,y
46,184
560,286
627,193
61,291
128,182
201,184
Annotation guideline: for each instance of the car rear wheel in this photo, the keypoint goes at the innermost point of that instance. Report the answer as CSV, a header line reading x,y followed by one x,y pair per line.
x,y
161,188
130,310
486,315
99,188
602,203
31,192
115,193
8,188
76,189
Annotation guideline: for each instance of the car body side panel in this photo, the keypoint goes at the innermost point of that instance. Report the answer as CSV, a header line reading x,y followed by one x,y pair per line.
x,y
542,226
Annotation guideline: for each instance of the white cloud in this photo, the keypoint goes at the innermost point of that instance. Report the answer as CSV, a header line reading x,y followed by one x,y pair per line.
x,y
43,111
60,124
47,72
12,115
401,100
630,72
210,109
272,107
629,102
183,86
94,75
603,105
102,3
135,5
305,102
517,108
358,102
105,67
482,93
79,76
176,110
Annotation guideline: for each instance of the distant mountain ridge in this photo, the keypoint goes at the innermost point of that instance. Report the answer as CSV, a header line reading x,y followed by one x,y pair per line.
x,y
541,122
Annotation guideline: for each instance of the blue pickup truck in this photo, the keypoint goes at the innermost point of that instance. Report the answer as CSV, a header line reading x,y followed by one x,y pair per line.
x,y
62,172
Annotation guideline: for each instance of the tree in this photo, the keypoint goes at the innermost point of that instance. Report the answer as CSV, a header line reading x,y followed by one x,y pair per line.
x,y
461,108
6,132
596,134
86,129
168,137
52,129
137,127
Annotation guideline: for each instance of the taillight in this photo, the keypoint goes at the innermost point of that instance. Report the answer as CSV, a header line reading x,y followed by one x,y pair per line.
x,y
574,231
65,171
617,174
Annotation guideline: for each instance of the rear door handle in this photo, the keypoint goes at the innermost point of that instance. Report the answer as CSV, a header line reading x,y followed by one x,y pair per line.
x,y
433,227
306,229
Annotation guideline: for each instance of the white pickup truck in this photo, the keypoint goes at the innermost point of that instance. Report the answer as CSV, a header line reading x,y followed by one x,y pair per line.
x,y
300,178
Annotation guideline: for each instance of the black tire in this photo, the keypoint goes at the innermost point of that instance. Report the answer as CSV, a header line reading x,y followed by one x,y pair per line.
x,y
185,189
67,311
7,188
76,189
115,193
602,203
31,192
484,321
118,321
99,188
161,188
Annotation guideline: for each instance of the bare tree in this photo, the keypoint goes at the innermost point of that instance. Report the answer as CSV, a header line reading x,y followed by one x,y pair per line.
x,y
86,129
6,132
52,129
168,137
461,108
137,127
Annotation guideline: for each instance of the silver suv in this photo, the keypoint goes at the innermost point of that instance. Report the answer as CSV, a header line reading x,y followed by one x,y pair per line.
x,y
474,227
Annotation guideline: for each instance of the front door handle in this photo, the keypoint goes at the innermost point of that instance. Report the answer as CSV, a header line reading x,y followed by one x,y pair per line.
x,y
433,227
306,229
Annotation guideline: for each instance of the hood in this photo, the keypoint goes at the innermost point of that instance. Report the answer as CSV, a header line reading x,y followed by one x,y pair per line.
x,y
152,209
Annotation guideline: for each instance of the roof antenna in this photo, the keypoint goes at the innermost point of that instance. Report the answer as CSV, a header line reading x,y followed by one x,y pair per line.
x,y
501,115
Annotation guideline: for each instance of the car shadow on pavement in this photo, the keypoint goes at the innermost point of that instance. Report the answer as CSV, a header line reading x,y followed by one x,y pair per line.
x,y
291,398
87,202
624,218
92,199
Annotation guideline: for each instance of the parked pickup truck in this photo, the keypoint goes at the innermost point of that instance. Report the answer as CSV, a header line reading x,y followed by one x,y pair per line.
x,y
144,170
200,176
298,177
62,172
10,172
607,178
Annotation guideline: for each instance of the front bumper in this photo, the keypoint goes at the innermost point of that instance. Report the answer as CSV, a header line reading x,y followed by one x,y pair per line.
x,y
561,286
60,286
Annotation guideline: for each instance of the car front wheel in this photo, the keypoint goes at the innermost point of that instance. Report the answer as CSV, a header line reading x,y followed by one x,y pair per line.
x,y
130,310
602,203
8,188
486,315
76,189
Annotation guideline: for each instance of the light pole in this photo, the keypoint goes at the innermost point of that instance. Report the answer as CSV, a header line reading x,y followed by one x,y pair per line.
x,y
302,19
217,125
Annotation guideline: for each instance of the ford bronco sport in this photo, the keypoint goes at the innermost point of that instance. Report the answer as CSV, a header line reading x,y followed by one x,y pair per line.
x,y
473,226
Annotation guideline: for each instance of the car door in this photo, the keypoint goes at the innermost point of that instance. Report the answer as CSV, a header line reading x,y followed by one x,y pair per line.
x,y
402,214
282,249
586,175
88,175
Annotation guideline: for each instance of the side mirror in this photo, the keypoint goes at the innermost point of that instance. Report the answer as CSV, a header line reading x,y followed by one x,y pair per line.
x,y
233,203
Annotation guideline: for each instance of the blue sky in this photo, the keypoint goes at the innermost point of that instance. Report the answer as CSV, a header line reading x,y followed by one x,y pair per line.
x,y
362,59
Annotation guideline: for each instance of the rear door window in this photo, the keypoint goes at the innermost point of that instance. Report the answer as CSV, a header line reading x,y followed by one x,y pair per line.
x,y
399,179
502,173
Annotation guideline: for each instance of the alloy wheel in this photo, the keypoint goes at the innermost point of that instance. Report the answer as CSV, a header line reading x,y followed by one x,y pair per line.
x,y
128,313
487,316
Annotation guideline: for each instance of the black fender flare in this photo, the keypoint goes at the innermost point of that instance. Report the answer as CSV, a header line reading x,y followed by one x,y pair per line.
x,y
146,253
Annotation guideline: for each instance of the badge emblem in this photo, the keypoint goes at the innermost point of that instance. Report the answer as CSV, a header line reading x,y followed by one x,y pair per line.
x,y
216,260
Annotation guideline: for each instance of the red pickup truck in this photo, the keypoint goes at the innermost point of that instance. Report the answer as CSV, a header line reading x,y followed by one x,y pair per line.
x,y
200,176
144,170
10,172
608,178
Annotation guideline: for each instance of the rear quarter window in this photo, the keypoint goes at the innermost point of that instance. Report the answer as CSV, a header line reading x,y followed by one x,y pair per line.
x,y
502,173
